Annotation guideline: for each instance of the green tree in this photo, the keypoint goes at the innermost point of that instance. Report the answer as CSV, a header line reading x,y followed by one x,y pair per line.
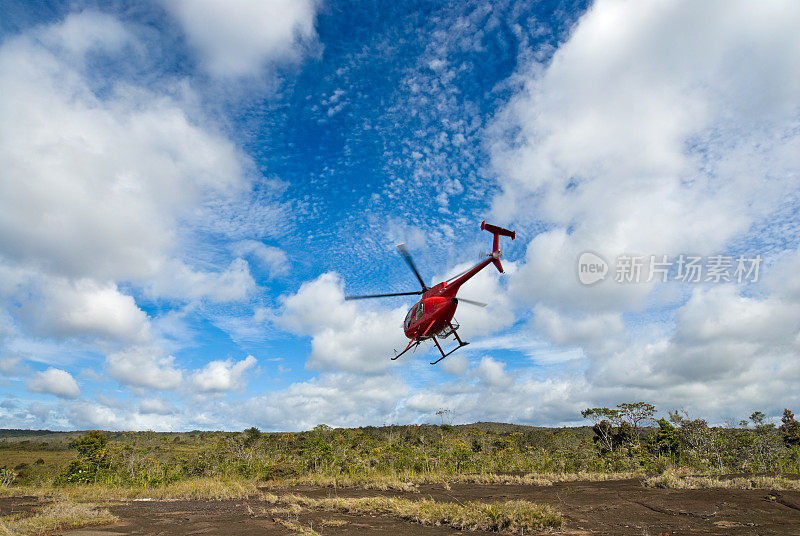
x,y
317,449
604,420
251,436
666,439
94,459
790,429
636,413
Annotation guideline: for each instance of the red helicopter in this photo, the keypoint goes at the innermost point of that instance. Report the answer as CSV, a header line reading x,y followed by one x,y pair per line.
x,y
432,316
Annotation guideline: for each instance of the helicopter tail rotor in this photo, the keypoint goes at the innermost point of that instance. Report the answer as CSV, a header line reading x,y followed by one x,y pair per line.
x,y
471,302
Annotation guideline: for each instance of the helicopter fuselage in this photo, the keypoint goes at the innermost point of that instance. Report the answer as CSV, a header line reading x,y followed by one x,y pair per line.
x,y
429,316
435,310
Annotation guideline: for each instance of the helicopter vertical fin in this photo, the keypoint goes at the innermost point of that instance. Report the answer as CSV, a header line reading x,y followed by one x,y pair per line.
x,y
497,231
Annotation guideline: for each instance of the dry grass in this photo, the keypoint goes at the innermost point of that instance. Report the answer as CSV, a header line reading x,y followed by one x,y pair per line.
x,y
297,527
409,482
675,479
533,479
196,488
57,516
333,522
376,482
516,517
211,488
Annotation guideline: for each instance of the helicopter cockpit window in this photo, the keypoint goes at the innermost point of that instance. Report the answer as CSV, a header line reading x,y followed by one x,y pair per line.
x,y
407,321
419,312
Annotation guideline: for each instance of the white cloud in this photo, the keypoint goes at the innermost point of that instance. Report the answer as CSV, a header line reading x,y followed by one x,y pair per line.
x,y
455,364
102,196
179,281
55,382
270,258
493,372
91,30
144,366
335,399
94,416
155,406
10,366
238,37
95,188
344,335
588,329
633,141
85,307
220,376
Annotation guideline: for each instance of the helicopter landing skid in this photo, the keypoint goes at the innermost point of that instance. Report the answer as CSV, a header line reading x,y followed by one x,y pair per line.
x,y
412,344
461,344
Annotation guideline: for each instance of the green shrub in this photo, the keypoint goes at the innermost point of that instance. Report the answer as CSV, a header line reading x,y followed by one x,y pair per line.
x,y
93,463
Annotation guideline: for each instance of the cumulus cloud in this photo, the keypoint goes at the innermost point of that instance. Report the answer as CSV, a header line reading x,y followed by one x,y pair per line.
x,y
144,366
155,406
335,399
55,382
179,281
100,190
95,187
91,30
11,365
631,141
587,329
85,307
91,187
344,335
88,415
220,376
493,372
270,258
237,38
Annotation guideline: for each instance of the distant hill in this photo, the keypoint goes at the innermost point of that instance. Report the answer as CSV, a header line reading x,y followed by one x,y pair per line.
x,y
486,427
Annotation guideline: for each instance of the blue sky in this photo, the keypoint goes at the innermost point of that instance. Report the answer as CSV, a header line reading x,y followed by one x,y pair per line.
x,y
190,188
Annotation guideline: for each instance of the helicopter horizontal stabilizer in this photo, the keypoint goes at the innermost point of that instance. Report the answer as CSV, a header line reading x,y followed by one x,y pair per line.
x,y
494,229
497,231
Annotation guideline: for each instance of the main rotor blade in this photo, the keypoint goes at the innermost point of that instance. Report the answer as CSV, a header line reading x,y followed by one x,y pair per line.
x,y
407,256
472,302
460,274
416,292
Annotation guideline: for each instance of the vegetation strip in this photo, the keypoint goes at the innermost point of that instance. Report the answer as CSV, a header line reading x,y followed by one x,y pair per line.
x,y
195,488
297,527
219,465
56,516
675,480
516,516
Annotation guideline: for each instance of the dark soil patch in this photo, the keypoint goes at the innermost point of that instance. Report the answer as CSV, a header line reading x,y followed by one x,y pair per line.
x,y
17,505
622,507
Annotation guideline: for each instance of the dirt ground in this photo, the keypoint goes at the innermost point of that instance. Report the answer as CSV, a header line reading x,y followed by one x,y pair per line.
x,y
622,507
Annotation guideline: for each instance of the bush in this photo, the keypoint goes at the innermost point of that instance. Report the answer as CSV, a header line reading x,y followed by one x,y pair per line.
x,y
94,460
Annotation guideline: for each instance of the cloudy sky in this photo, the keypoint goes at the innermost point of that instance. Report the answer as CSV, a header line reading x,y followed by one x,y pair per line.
x,y
188,189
